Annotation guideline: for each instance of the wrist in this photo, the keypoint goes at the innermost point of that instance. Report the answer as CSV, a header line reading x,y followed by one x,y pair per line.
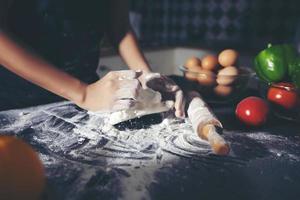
x,y
79,94
146,70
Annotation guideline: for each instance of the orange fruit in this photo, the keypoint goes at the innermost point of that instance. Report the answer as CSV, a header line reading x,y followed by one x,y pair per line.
x,y
21,171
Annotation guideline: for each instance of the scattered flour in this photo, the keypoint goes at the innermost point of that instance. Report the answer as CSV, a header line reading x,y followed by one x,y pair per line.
x,y
74,143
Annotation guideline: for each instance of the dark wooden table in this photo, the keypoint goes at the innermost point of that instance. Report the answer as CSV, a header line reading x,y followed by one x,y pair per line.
x,y
83,160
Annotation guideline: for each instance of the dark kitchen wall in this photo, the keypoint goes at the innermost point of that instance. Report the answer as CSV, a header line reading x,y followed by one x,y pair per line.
x,y
245,23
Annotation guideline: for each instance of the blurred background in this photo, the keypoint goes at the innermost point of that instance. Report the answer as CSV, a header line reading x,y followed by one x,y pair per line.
x,y
243,24
170,32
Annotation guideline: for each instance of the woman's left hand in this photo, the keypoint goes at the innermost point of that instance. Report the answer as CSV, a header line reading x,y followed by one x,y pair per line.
x,y
168,89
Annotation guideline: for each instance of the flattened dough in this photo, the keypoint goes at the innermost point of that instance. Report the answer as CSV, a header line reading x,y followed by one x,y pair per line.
x,y
148,102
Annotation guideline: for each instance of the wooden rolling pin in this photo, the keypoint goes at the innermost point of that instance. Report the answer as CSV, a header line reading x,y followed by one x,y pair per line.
x,y
205,124
216,141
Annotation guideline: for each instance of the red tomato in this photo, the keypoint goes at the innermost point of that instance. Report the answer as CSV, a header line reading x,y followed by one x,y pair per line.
x,y
283,94
252,111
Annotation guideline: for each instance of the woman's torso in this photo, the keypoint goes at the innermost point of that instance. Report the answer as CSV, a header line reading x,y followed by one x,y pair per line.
x,y
66,33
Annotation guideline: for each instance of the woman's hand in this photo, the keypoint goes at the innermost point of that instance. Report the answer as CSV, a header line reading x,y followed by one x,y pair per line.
x,y
115,91
168,89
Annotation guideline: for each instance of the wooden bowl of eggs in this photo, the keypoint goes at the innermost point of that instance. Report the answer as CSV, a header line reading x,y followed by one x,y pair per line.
x,y
218,78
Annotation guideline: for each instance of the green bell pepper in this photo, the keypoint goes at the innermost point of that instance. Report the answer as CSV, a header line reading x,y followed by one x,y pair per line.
x,y
274,63
296,77
291,58
294,71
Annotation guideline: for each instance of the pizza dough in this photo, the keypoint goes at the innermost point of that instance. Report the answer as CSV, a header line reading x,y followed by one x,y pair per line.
x,y
148,102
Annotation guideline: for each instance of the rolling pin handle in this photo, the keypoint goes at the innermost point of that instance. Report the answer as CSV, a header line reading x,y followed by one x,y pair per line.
x,y
217,142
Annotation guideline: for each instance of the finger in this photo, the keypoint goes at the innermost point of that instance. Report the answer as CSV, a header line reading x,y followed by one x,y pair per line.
x,y
163,84
179,104
174,88
152,80
128,74
152,76
171,86
126,93
166,87
123,104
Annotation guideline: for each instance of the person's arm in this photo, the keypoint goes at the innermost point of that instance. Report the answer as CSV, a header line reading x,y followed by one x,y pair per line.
x,y
118,88
31,67
122,36
124,39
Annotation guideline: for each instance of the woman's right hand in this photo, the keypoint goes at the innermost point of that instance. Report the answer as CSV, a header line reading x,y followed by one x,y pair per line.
x,y
115,91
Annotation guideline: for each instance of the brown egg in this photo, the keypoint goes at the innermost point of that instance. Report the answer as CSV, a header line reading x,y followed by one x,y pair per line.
x,y
192,62
209,62
227,75
228,57
206,78
192,73
223,90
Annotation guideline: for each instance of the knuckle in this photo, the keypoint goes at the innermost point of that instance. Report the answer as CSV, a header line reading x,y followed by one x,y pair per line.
x,y
111,83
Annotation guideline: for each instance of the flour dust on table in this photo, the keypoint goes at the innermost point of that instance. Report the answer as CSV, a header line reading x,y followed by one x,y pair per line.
x,y
86,158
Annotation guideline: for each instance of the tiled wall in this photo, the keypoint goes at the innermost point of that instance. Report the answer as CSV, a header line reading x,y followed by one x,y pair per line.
x,y
240,22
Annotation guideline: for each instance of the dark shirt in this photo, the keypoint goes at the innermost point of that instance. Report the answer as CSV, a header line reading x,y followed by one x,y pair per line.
x,y
67,33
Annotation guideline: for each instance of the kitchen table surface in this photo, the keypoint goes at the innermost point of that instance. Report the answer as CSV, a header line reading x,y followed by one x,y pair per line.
x,y
156,158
